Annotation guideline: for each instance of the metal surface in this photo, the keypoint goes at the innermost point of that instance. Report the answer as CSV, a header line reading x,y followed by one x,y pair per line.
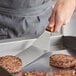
x,y
36,57
43,62
49,42
15,47
30,55
43,41
39,53
35,51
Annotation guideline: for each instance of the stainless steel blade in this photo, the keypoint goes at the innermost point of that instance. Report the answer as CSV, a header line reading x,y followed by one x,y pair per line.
x,y
30,55
43,41
49,41
35,51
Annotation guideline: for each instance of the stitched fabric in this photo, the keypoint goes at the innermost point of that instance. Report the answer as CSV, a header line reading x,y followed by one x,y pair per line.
x,y
19,25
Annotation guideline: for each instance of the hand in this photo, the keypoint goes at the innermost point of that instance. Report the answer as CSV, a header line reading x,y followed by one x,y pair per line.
x,y
61,14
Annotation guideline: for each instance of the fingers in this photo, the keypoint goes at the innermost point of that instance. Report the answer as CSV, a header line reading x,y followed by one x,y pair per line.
x,y
50,29
61,14
58,26
52,20
55,22
51,24
58,22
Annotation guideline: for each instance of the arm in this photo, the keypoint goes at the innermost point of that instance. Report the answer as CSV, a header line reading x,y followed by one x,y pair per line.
x,y
61,14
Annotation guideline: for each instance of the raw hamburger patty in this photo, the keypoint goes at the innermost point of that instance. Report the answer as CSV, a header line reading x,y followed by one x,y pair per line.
x,y
62,61
11,63
35,73
64,73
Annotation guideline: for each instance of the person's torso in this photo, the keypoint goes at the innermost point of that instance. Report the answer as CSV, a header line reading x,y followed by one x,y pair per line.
x,y
24,17
17,4
24,7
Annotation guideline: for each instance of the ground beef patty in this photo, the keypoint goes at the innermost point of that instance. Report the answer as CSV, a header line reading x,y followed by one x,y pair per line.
x,y
12,64
62,61
63,73
18,74
35,73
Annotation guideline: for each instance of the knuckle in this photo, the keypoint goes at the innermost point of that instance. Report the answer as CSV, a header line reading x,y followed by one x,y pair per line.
x,y
66,21
61,20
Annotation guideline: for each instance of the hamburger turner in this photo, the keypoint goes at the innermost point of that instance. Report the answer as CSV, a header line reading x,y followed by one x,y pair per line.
x,y
37,50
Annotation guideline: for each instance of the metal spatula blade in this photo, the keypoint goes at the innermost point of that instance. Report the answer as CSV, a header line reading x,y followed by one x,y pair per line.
x,y
35,51
43,41
30,55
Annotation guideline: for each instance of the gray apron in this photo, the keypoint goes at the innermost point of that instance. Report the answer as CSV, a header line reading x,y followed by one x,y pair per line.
x,y
23,18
